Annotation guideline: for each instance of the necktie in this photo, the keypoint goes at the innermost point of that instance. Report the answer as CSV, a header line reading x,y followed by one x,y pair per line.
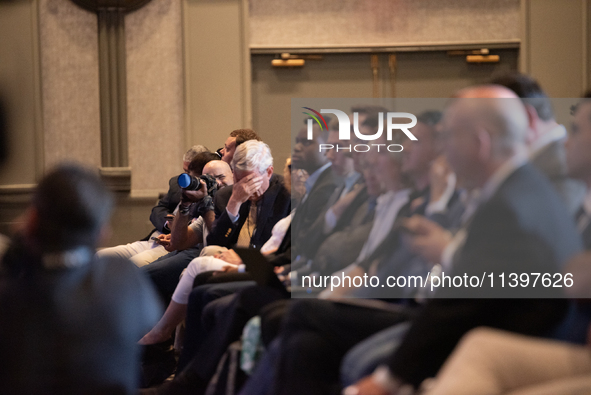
x,y
248,228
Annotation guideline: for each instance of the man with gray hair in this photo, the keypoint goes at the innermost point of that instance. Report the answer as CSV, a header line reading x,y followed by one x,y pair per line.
x,y
191,154
247,211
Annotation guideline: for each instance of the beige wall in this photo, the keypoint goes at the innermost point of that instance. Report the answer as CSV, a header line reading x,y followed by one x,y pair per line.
x,y
217,67
49,75
69,83
312,23
20,93
155,102
65,67
555,45
418,75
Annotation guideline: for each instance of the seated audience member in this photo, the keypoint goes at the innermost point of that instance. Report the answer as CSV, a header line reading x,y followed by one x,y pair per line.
x,y
435,194
495,130
226,261
320,185
170,201
343,202
236,138
493,362
246,213
546,138
187,230
578,161
353,218
144,251
489,361
70,320
298,187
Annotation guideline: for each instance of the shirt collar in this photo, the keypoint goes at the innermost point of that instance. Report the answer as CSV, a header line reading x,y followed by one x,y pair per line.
x,y
309,184
390,196
555,134
351,179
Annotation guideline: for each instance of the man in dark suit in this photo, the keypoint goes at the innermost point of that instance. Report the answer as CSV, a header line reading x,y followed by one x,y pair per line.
x,y
547,152
510,226
247,211
320,185
341,206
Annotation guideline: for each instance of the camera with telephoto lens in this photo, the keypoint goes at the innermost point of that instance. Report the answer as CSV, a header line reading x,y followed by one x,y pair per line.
x,y
190,183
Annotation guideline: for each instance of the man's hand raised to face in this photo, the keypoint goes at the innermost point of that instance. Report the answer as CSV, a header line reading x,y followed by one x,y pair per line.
x,y
243,190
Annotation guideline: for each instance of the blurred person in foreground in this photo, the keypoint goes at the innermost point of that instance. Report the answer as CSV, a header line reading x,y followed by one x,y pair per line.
x,y
70,320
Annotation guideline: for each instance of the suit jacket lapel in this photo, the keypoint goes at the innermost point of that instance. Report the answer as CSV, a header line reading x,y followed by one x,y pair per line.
x,y
303,207
266,208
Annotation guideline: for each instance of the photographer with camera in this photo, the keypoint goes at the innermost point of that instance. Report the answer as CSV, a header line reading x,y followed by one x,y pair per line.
x,y
148,249
193,220
195,233
196,202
